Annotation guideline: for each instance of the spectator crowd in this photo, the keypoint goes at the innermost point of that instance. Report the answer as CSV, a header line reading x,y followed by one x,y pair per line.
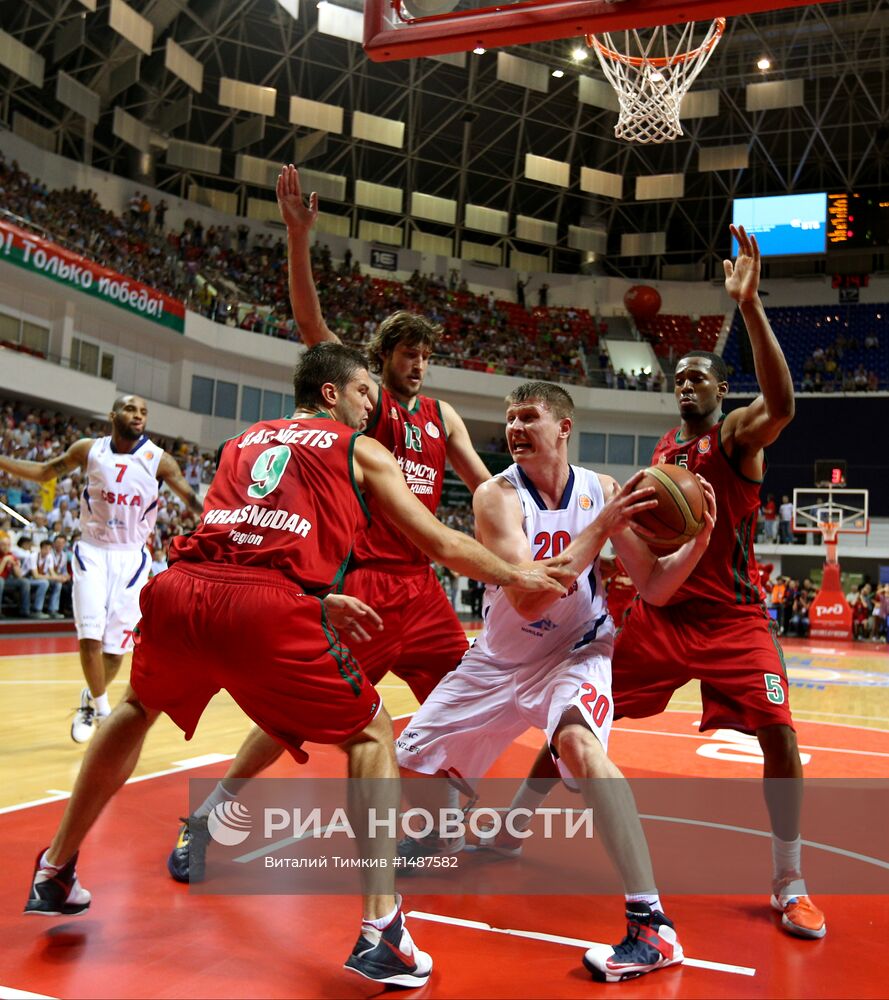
x,y
830,369
240,280
789,601
870,608
74,219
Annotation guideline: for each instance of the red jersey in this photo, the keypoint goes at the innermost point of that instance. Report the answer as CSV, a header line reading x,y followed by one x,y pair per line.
x,y
283,498
727,571
418,440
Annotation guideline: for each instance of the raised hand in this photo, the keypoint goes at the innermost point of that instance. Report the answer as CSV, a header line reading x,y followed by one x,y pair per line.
x,y
742,277
294,211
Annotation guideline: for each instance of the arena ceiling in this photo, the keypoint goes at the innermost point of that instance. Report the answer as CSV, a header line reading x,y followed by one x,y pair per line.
x,y
466,133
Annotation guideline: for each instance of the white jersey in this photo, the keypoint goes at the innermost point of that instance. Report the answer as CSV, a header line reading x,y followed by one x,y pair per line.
x,y
576,618
118,508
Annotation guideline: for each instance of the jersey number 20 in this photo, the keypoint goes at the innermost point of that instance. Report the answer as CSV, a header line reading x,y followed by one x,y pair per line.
x,y
596,704
550,544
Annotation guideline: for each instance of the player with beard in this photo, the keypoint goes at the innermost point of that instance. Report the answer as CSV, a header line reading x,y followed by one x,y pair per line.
x,y
386,571
246,605
110,562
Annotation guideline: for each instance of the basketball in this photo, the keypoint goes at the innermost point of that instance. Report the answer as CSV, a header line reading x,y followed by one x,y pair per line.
x,y
679,515
642,302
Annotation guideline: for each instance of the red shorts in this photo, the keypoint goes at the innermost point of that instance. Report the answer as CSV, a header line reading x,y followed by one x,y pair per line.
x,y
205,627
733,651
422,638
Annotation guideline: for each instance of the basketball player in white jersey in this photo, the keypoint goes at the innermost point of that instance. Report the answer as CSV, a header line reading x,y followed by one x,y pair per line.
x,y
110,562
548,663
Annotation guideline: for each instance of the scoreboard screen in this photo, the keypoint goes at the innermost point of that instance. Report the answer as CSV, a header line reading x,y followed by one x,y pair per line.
x,y
830,472
857,220
784,225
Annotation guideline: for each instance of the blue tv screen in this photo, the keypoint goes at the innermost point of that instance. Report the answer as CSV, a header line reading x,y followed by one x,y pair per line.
x,y
784,225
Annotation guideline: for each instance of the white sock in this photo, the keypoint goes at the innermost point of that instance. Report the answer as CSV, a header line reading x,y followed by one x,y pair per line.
x,y
46,864
103,706
525,798
381,923
453,797
218,795
452,801
786,858
651,898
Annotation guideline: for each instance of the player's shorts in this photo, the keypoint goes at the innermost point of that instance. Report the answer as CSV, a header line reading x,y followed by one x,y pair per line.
x,y
422,638
105,590
479,709
732,650
254,633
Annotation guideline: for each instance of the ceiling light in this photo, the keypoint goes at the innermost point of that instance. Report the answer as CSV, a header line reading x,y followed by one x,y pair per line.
x,y
478,50
558,73
657,76
579,54
763,63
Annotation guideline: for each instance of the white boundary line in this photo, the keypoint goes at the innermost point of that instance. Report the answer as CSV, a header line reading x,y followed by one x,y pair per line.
x,y
8,993
816,845
182,765
799,717
478,925
702,736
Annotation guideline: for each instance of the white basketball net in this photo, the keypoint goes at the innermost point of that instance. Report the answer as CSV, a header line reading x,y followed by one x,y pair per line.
x,y
651,76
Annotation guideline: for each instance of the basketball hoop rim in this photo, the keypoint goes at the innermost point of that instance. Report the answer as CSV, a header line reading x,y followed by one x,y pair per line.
x,y
829,530
660,61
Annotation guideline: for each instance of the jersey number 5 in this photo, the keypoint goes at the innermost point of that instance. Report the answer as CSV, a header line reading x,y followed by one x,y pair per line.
x,y
267,471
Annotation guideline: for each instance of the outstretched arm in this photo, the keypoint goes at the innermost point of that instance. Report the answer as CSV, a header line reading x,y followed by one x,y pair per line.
x,y
168,472
377,472
299,219
748,430
42,472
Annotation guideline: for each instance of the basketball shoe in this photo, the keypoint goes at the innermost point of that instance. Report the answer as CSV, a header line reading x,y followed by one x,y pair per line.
x,y
799,915
186,862
389,955
55,892
84,723
650,944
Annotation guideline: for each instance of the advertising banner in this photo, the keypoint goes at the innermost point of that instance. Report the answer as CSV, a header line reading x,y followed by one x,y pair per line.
x,y
18,246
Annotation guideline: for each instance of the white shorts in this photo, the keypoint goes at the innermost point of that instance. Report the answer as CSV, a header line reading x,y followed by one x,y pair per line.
x,y
106,588
477,710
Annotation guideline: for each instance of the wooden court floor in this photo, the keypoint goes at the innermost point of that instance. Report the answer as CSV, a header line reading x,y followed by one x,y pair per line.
x,y
145,936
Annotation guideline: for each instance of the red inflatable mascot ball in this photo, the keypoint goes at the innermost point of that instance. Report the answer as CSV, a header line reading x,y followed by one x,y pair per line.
x,y
643,302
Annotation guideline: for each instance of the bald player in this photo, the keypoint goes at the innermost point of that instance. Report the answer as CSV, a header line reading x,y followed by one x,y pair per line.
x,y
110,562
